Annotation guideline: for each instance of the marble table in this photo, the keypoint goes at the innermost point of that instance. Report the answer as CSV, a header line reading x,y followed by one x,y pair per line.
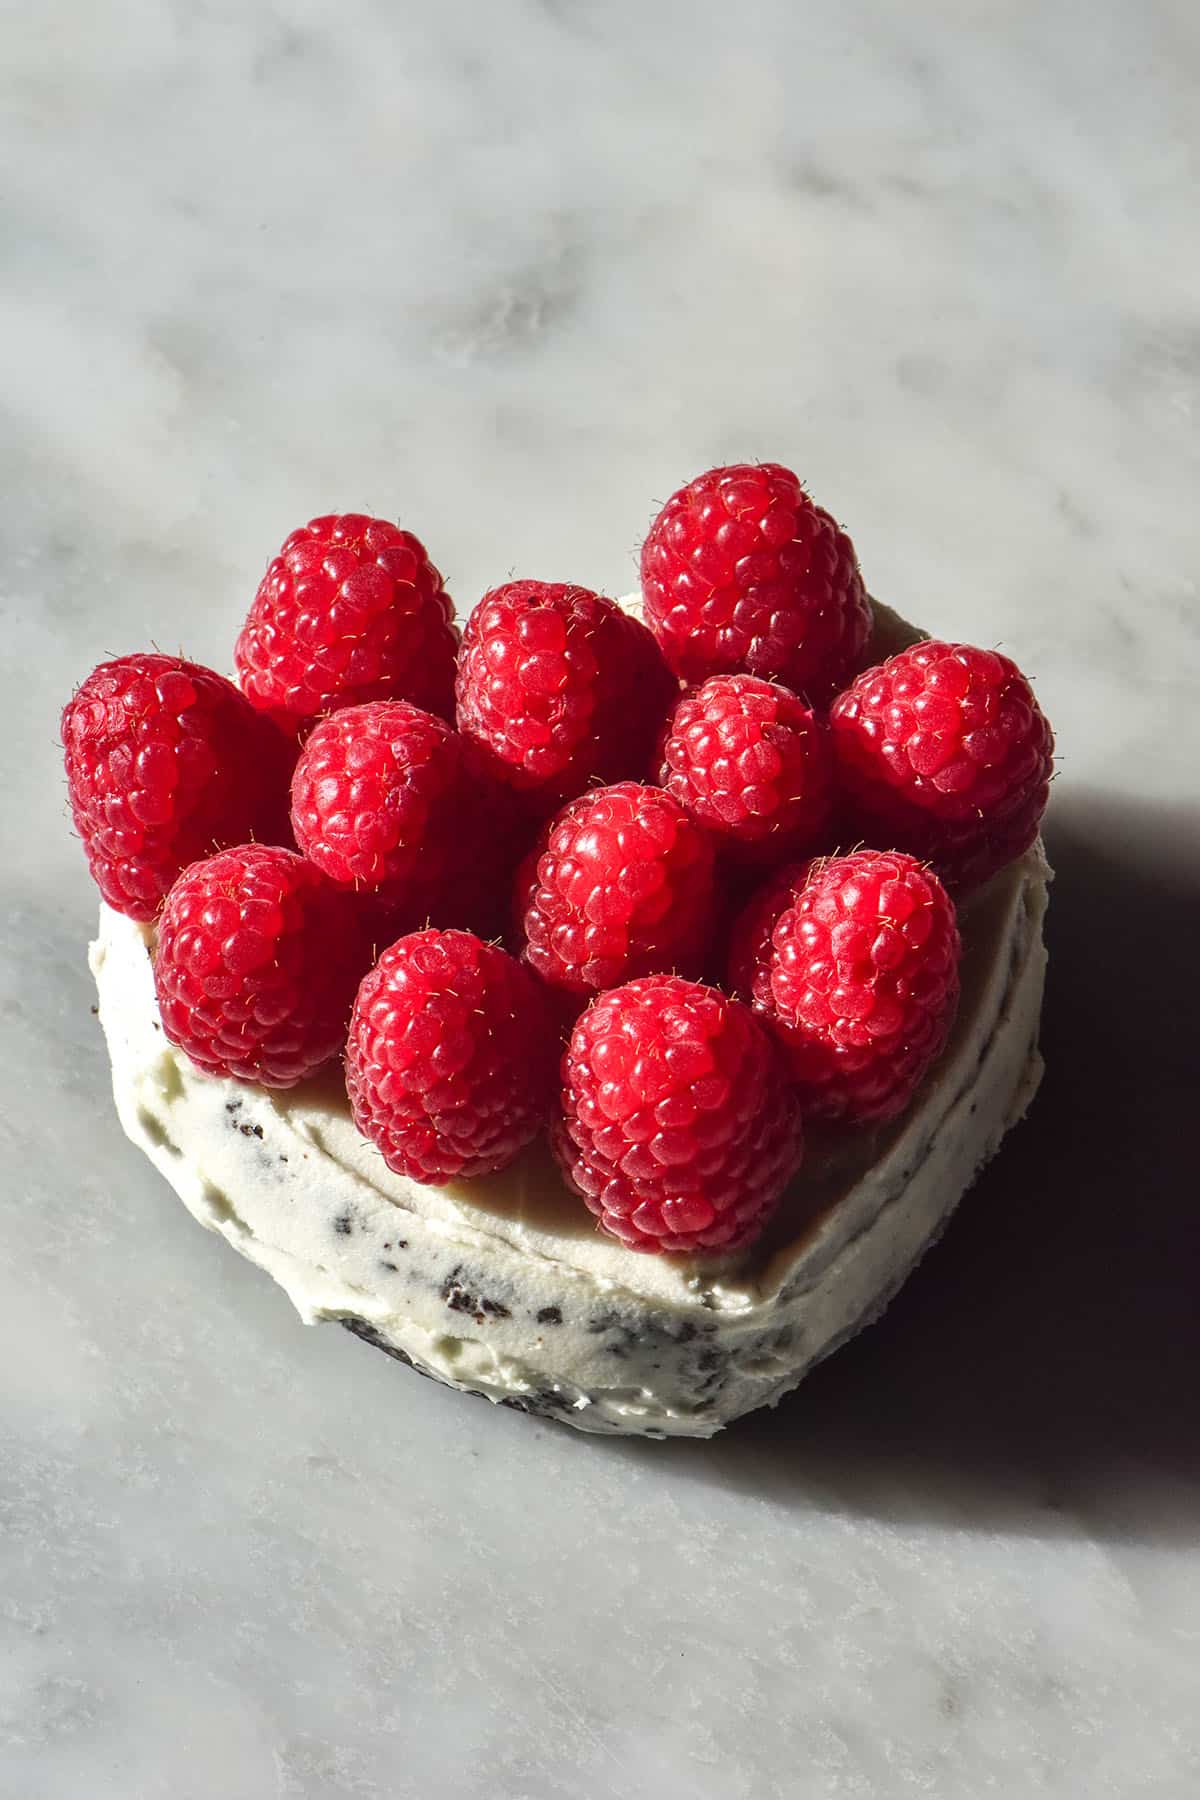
x,y
511,273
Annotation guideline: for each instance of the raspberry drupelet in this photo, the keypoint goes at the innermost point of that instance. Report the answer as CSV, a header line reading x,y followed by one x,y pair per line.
x,y
166,761
257,961
943,751
350,610
742,572
560,688
679,1128
451,1057
859,982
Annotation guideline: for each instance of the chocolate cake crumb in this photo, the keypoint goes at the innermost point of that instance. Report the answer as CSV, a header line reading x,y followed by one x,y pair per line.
x,y
343,1224
232,1106
385,1264
543,1401
248,1130
496,1309
550,1315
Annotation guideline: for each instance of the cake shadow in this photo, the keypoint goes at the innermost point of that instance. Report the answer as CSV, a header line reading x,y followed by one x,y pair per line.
x,y
1039,1368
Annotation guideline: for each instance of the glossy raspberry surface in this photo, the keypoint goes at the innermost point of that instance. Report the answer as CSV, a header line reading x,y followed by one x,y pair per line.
x,y
749,761
742,572
624,886
943,750
860,983
256,965
166,762
451,1057
560,688
350,610
679,1127
389,801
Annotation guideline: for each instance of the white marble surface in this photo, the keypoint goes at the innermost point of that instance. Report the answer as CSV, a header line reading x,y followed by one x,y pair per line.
x,y
511,272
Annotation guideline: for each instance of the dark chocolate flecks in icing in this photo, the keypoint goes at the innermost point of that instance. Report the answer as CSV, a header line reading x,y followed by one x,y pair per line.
x,y
689,1350
233,1108
460,1298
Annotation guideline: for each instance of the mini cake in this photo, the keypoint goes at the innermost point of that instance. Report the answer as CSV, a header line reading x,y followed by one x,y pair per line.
x,y
785,1049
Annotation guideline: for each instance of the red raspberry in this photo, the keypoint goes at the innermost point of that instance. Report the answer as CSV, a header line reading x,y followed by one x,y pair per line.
x,y
748,973
742,571
257,961
560,688
748,760
860,983
350,610
387,799
166,761
944,750
450,1063
624,887
679,1127
524,888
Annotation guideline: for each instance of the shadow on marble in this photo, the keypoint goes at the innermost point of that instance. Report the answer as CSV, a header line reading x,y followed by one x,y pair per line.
x,y
1039,1368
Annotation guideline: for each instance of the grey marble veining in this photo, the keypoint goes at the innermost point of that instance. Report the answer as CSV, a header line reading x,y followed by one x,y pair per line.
x,y
511,273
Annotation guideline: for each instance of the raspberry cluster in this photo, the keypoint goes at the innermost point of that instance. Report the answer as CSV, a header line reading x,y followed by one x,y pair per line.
x,y
944,750
560,688
742,572
853,962
451,1057
625,886
350,610
753,764
720,851
680,1128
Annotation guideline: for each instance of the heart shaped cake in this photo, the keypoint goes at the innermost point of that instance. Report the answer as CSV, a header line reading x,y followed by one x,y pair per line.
x,y
602,1014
